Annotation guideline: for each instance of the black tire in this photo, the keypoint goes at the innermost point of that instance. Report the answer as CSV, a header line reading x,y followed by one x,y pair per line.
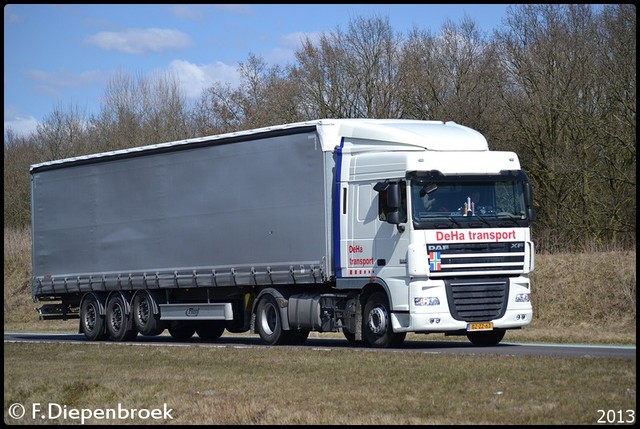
x,y
210,329
146,322
486,338
92,324
118,321
182,330
351,338
296,338
377,328
269,322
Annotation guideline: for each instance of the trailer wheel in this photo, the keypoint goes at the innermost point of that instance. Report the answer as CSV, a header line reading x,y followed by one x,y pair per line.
x,y
92,324
377,323
269,322
182,330
143,317
117,320
486,338
210,329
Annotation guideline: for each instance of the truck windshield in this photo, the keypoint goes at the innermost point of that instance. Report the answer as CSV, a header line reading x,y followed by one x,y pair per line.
x,y
496,201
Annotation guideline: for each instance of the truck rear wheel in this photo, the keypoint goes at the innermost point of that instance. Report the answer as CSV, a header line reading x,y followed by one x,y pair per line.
x,y
210,329
296,338
377,327
269,322
92,324
143,317
486,338
117,320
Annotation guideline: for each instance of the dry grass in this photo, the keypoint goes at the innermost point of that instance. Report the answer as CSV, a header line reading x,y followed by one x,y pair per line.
x,y
586,295
226,386
18,306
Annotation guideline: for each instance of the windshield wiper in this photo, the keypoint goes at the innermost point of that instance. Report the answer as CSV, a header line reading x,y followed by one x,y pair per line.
x,y
482,219
454,221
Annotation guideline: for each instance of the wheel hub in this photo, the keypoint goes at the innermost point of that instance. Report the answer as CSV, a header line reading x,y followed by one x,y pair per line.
x,y
377,320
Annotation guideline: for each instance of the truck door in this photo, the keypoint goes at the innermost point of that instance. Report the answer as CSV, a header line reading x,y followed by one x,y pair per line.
x,y
372,244
360,260
390,241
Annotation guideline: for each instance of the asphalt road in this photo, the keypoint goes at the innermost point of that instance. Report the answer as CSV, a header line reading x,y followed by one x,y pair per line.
x,y
439,347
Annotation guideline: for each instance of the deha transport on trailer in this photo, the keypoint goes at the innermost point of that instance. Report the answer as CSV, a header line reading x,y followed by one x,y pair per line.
x,y
369,227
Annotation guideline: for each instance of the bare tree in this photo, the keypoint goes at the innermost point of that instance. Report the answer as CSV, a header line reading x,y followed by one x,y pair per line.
x,y
62,133
264,97
451,76
139,110
163,109
553,92
616,75
19,154
352,74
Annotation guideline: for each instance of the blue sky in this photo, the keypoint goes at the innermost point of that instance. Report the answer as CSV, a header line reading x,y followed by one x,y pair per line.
x,y
58,56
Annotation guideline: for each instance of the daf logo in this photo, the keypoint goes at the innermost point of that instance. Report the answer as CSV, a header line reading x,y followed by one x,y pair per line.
x,y
437,247
192,311
517,245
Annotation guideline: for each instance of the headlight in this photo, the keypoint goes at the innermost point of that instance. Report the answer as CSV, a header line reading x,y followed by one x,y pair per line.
x,y
430,300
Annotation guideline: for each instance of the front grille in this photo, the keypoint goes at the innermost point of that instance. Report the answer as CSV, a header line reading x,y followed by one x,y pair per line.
x,y
477,300
458,259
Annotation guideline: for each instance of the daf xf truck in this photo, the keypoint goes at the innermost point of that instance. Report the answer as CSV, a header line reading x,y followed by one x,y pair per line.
x,y
370,227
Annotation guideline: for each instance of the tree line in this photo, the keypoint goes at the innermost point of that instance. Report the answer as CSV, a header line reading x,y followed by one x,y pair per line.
x,y
554,83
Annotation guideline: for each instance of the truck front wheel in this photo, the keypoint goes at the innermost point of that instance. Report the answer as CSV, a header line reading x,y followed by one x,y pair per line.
x,y
92,324
377,327
351,337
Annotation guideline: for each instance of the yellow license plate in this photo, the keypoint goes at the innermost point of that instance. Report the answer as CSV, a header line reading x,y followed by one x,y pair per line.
x,y
480,326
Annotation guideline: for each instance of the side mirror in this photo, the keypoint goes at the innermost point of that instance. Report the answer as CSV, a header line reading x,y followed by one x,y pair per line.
x,y
393,196
393,202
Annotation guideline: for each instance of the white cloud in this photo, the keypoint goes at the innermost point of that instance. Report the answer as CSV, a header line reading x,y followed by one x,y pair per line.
x,y
195,78
138,40
289,44
21,125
